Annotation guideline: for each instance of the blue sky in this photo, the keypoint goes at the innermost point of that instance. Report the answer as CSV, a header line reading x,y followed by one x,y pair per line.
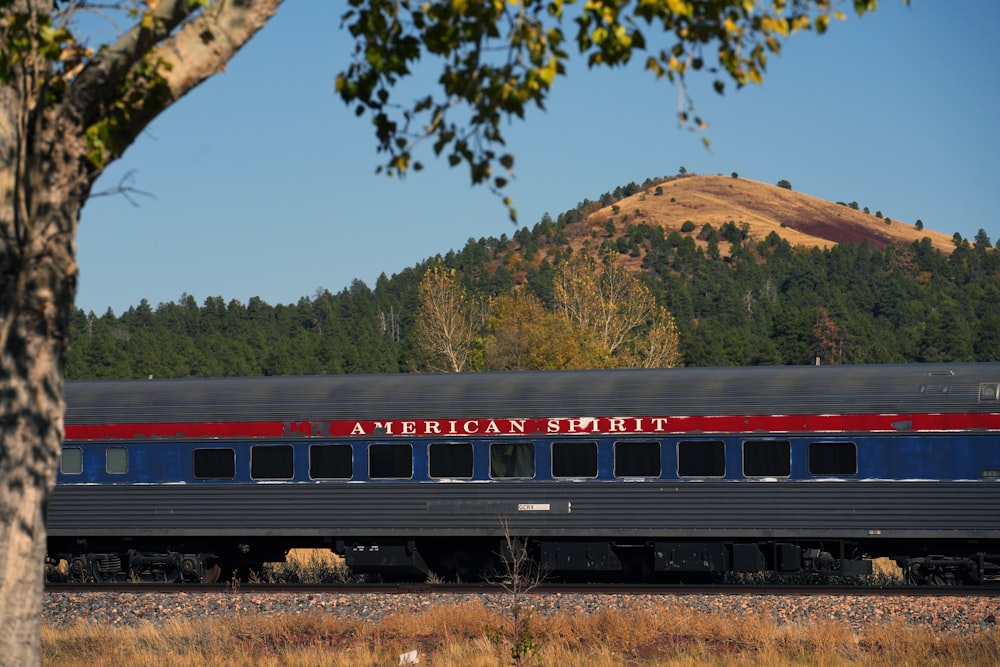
x,y
264,182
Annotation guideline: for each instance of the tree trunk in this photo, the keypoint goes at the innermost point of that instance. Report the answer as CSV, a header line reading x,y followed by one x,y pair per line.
x,y
47,170
43,191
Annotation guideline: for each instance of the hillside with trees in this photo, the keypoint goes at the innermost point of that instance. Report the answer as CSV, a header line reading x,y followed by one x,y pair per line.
x,y
771,277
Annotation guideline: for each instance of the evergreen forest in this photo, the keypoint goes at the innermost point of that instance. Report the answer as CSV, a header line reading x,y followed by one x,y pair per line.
x,y
762,303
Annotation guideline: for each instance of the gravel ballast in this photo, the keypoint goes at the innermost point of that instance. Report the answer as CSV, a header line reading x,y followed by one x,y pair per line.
x,y
961,615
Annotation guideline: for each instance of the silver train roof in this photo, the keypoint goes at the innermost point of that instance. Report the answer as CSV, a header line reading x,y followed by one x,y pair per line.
x,y
871,389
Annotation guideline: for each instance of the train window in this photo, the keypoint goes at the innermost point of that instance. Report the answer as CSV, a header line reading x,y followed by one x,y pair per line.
x,y
637,459
833,458
215,463
331,461
767,458
272,462
116,460
390,461
450,460
71,461
574,459
512,459
701,458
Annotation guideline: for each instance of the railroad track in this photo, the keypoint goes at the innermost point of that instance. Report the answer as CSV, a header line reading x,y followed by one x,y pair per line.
x,y
547,589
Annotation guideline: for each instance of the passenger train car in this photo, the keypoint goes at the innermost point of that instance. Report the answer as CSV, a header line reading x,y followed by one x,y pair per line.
x,y
642,474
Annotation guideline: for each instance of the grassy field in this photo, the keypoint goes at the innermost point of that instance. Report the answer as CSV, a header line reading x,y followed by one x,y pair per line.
x,y
470,636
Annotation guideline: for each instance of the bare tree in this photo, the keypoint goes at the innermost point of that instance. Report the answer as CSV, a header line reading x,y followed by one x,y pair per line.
x,y
446,321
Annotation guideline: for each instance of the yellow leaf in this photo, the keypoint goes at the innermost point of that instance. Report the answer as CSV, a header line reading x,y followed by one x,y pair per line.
x,y
548,73
770,24
800,22
680,7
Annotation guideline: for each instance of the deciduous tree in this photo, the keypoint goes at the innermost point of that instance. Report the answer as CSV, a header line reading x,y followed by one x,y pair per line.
x,y
658,345
618,311
828,340
446,322
523,335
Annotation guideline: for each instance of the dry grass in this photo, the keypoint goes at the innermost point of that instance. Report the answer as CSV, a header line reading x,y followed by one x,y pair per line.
x,y
469,635
887,569
799,218
307,566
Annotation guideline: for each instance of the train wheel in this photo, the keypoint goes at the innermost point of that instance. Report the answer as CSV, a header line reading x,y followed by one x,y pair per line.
x,y
212,574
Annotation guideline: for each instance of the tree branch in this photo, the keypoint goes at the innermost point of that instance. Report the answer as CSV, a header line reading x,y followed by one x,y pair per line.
x,y
125,189
178,48
106,72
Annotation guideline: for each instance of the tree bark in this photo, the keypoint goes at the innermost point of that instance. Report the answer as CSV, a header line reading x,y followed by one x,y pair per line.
x,y
47,170
37,287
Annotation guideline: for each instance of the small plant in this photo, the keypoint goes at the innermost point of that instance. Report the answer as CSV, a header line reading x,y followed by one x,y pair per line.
x,y
519,575
234,582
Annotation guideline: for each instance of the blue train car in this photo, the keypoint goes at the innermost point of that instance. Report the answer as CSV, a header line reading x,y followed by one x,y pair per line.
x,y
606,473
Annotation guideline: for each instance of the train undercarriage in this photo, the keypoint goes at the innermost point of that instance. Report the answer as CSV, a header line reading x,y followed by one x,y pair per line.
x,y
478,559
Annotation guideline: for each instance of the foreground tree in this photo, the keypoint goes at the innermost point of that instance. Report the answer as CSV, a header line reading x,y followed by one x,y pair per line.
x,y
67,111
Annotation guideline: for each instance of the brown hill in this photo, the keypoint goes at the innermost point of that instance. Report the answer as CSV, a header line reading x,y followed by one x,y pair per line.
x,y
800,219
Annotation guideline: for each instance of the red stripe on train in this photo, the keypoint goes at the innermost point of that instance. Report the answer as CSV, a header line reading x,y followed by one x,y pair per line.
x,y
555,426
